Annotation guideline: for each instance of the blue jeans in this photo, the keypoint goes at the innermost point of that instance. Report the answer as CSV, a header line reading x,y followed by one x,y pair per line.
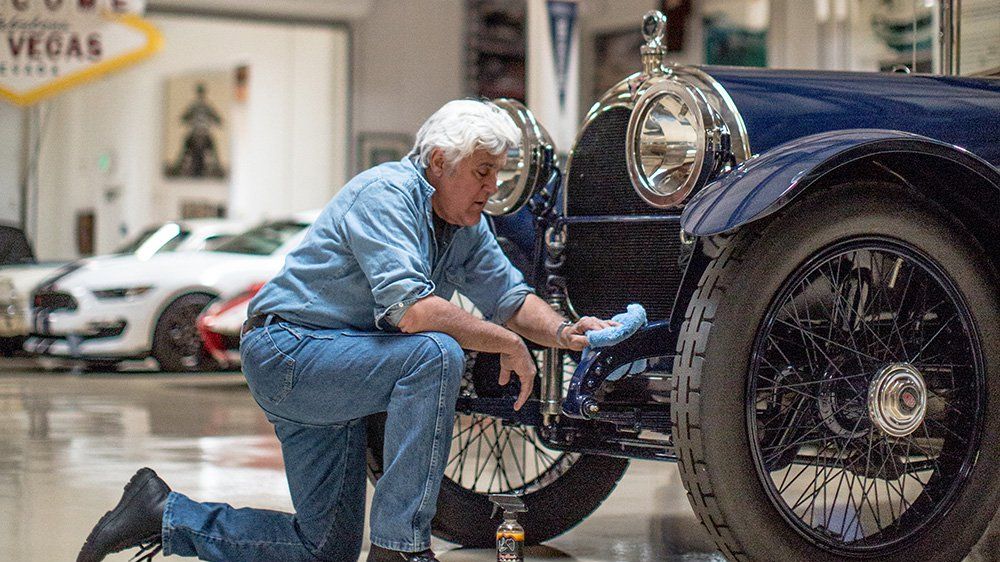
x,y
316,387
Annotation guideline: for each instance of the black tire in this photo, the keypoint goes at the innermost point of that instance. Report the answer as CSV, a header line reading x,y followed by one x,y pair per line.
x,y
177,346
721,349
102,366
559,493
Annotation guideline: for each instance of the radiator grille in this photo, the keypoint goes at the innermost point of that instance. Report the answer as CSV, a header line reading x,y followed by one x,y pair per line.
x,y
597,180
609,266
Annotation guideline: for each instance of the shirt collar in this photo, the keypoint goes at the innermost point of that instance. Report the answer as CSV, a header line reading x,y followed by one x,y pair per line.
x,y
411,161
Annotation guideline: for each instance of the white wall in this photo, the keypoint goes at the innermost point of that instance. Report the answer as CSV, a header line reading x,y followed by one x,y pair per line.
x,y
408,60
290,155
10,159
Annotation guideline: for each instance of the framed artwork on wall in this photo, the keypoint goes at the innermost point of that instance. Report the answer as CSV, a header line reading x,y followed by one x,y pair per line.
x,y
376,148
495,48
202,210
616,55
86,223
196,124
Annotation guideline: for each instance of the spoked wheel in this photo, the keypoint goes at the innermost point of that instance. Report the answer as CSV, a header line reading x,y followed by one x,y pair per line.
x,y
177,346
846,372
868,372
490,456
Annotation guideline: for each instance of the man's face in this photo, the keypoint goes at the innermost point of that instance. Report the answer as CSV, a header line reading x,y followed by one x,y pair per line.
x,y
461,192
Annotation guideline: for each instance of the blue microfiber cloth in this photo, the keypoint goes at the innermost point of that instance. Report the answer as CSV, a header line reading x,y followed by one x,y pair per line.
x,y
629,323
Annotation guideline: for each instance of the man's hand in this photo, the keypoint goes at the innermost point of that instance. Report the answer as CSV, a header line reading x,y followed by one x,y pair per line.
x,y
574,336
522,364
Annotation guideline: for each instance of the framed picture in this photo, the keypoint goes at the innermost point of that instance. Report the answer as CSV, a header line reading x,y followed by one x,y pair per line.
x,y
616,55
202,210
376,148
196,125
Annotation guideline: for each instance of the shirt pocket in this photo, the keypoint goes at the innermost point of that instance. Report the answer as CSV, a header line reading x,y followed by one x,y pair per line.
x,y
455,275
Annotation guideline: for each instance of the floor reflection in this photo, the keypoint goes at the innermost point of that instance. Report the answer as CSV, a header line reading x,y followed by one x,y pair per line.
x,y
69,442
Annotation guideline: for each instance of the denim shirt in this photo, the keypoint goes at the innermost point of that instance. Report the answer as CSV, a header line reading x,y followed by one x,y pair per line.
x,y
372,253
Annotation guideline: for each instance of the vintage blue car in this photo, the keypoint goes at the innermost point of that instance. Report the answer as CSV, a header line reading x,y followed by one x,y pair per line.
x,y
818,255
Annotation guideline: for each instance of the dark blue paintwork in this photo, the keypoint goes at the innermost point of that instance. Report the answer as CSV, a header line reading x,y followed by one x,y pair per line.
x,y
766,183
782,105
518,228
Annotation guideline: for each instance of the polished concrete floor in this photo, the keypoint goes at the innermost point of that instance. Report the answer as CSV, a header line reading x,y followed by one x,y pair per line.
x,y
69,441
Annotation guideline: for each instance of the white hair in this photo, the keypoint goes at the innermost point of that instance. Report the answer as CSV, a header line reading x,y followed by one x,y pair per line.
x,y
462,126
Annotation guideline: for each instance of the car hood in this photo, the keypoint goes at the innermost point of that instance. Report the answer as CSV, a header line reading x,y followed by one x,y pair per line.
x,y
173,270
779,106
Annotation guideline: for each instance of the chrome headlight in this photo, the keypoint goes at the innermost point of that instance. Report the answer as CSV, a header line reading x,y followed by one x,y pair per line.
x,y
528,167
675,142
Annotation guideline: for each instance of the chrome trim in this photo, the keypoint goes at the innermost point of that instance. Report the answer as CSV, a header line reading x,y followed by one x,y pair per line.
x,y
724,105
654,52
897,400
629,89
709,139
534,167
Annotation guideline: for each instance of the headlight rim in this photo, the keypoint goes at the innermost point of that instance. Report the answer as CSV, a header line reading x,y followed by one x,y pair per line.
x,y
707,131
538,153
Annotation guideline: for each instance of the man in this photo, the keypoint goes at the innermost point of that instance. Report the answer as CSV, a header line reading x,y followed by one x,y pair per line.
x,y
358,322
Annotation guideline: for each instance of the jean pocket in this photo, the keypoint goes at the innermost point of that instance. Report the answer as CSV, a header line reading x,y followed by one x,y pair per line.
x,y
270,372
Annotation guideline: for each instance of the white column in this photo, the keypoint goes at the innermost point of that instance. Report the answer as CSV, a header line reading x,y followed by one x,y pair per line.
x,y
559,119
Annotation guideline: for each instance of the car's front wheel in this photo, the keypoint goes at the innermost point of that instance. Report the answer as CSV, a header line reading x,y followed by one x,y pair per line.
x,y
177,346
837,392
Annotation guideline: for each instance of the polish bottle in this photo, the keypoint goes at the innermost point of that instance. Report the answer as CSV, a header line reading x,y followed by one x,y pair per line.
x,y
510,534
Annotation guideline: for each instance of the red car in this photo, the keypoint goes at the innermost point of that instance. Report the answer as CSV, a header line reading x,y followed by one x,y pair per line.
x,y
220,324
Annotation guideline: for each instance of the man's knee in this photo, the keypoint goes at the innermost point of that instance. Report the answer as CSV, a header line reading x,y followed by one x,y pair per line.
x,y
450,353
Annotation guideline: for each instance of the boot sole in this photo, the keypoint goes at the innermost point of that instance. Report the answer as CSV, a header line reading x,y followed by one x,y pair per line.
x,y
137,484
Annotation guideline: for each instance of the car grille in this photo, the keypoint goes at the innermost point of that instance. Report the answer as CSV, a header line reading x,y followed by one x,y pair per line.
x,y
611,264
607,267
597,182
54,300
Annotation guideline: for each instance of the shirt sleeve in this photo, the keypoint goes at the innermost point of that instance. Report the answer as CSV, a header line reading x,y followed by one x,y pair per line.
x,y
492,283
381,228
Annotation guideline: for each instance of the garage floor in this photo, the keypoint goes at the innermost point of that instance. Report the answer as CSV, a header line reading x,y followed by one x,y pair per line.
x,y
68,442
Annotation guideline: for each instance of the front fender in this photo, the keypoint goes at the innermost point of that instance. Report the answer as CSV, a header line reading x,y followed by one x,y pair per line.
x,y
767,182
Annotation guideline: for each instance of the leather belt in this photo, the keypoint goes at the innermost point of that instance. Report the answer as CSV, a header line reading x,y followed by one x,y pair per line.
x,y
260,320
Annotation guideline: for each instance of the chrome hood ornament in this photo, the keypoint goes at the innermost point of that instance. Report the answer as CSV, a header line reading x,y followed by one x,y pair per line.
x,y
654,52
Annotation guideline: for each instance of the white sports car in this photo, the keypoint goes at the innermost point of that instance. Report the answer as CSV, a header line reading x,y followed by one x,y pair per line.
x,y
107,309
18,281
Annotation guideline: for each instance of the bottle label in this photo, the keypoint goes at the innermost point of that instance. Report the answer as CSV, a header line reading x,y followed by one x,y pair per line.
x,y
510,547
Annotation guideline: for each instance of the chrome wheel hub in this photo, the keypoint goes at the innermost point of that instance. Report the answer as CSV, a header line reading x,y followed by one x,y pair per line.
x,y
897,400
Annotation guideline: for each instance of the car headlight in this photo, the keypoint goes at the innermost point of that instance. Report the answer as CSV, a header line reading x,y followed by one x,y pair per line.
x,y
528,167
675,142
122,292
